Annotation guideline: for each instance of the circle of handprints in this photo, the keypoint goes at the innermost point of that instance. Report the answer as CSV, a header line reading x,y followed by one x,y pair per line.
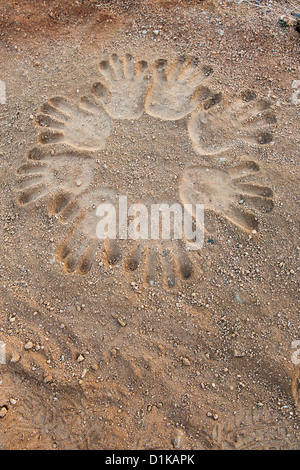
x,y
63,167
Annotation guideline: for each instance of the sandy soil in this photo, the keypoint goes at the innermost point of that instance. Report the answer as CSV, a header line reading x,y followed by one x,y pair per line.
x,y
147,346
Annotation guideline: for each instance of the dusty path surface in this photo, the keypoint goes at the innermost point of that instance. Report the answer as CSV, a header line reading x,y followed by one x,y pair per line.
x,y
145,345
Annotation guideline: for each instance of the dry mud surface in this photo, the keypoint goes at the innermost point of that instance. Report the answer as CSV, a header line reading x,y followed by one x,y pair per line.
x,y
144,345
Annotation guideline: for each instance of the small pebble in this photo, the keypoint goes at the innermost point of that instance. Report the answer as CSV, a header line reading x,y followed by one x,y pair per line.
x,y
186,361
121,322
176,441
15,357
3,411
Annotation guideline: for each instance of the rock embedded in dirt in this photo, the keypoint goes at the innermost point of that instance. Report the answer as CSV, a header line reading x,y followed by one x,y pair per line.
x,y
3,411
186,362
48,378
15,357
121,322
80,358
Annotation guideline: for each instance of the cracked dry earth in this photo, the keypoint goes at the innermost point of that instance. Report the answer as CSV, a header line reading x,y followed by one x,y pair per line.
x,y
143,344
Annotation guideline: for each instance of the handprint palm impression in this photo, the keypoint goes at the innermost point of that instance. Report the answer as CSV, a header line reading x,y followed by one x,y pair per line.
x,y
225,193
108,144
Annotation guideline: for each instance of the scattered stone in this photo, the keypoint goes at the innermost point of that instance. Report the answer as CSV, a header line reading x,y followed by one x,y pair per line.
x,y
212,415
15,357
28,345
237,353
3,411
186,361
176,441
80,358
121,322
48,378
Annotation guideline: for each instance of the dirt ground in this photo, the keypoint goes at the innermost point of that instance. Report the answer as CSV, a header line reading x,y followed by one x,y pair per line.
x,y
145,345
